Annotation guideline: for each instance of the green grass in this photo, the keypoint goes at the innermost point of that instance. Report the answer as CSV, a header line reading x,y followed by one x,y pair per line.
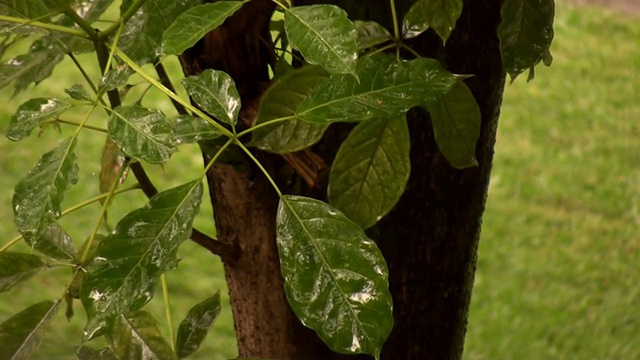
x,y
560,251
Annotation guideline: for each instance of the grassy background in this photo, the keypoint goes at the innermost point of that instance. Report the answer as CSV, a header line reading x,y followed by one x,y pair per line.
x,y
559,257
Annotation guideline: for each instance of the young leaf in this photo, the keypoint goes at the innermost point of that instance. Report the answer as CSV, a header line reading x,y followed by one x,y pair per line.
x,y
440,15
137,336
33,112
129,261
142,133
53,241
371,170
324,35
38,196
456,124
216,93
78,92
335,277
193,24
526,33
189,129
281,100
387,88
193,329
87,353
370,34
18,267
20,335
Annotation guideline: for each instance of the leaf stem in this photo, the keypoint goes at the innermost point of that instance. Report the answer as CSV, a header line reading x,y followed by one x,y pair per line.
x,y
68,122
215,157
84,73
265,124
84,24
410,49
167,307
11,243
284,7
115,44
46,26
259,165
394,15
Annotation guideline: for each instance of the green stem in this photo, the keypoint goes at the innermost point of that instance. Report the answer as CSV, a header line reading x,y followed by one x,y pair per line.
x,y
284,7
84,73
46,26
259,165
396,28
167,308
409,49
115,44
11,243
84,24
68,122
265,124
123,19
215,157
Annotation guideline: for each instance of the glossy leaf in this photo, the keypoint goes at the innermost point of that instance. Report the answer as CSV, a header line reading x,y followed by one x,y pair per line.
x,y
324,35
387,88
371,170
52,241
440,15
111,165
142,133
78,92
456,124
336,279
20,335
38,196
115,78
137,337
526,33
32,67
216,93
281,100
193,329
189,129
195,23
370,34
17,267
87,353
33,112
130,260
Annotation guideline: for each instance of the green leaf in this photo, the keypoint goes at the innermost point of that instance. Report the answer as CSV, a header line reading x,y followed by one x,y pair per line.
x,y
370,34
456,124
371,170
87,353
324,35
52,241
17,267
142,133
115,78
281,100
38,196
387,88
336,279
216,93
137,337
129,261
31,9
78,92
526,33
193,329
20,335
33,112
32,67
189,129
195,23
440,15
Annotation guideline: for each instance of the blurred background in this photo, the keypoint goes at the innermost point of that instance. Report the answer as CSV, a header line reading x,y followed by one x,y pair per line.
x,y
559,260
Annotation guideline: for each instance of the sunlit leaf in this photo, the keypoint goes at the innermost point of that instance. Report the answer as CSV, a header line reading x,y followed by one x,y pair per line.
x,y
193,329
370,33
137,337
526,33
216,93
387,88
440,15
53,241
87,353
189,129
371,170
281,100
456,124
336,279
18,267
142,133
324,35
20,335
78,92
32,113
130,260
111,166
195,23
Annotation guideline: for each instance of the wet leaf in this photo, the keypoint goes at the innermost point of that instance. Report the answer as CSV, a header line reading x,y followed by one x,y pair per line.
x,y
111,166
137,337
281,100
20,335
370,34
142,133
456,124
216,93
87,353
129,261
324,35
371,170
526,33
387,88
32,113
440,15
115,78
189,129
17,267
195,23
78,92
193,329
336,279
32,67
52,241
